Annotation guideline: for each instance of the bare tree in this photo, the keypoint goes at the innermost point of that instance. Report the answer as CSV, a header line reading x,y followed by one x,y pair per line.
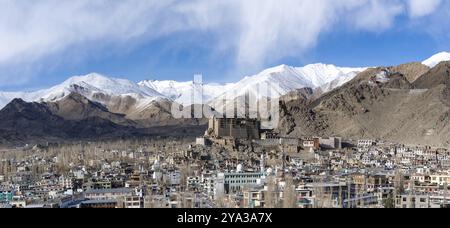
x,y
271,196
121,202
185,172
289,194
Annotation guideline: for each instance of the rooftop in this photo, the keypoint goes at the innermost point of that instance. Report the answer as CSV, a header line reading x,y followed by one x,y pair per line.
x,y
113,190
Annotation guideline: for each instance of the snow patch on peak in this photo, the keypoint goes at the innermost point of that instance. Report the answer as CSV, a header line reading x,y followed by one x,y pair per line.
x,y
436,59
181,92
320,74
111,86
277,69
281,79
289,78
87,85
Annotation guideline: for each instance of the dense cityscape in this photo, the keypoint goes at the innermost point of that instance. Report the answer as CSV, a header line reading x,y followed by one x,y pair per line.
x,y
224,112
234,165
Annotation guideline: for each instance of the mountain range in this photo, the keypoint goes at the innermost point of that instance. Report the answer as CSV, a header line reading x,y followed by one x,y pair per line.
x,y
104,89
407,104
318,99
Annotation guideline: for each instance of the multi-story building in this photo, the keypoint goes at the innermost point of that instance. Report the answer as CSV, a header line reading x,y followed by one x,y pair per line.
x,y
105,203
254,198
412,201
133,202
193,182
102,194
365,143
6,195
331,143
97,184
313,143
235,182
440,179
237,128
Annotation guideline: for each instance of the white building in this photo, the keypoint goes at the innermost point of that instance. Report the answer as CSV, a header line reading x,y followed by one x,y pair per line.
x,y
441,179
235,182
108,194
202,141
174,177
419,178
133,201
365,143
193,182
419,151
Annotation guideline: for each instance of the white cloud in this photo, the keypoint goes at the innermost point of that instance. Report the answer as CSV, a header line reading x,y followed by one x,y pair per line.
x,y
31,30
265,30
258,31
280,28
376,15
420,8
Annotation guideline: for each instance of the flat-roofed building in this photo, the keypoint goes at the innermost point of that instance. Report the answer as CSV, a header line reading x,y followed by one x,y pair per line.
x,y
99,204
331,143
235,182
236,128
366,143
134,202
311,143
412,201
115,193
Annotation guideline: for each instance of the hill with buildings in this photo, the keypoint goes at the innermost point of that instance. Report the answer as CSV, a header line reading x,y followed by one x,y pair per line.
x,y
380,103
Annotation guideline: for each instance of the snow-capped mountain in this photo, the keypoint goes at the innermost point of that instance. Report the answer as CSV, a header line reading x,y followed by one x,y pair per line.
x,y
6,97
92,86
281,80
182,92
338,82
436,59
278,81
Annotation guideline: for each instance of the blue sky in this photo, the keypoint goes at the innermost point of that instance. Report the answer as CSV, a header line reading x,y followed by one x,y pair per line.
x,y
45,42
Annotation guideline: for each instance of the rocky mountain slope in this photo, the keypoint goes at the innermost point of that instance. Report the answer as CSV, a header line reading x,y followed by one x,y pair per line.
x,y
76,107
23,122
379,103
77,118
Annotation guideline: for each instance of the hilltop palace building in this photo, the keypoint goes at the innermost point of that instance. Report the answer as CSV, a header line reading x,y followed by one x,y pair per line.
x,y
237,128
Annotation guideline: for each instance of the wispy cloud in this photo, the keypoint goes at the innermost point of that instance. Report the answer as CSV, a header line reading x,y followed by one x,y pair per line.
x,y
420,8
258,31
